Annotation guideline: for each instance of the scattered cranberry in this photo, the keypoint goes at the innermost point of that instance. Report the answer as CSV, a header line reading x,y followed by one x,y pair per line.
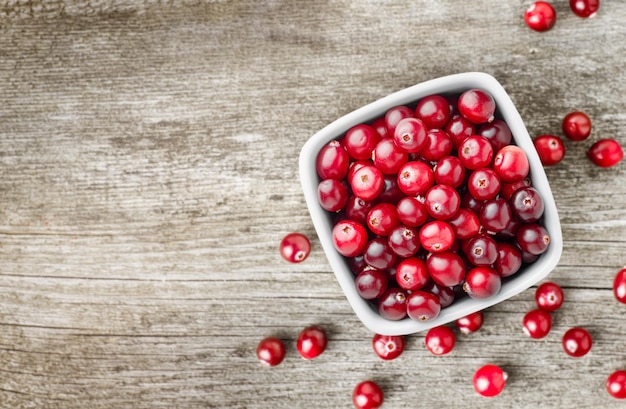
x,y
367,395
295,247
537,323
550,148
576,126
311,342
605,153
619,286
577,342
549,296
477,106
440,340
422,306
388,347
270,351
471,322
540,16
489,380
584,8
616,384
482,282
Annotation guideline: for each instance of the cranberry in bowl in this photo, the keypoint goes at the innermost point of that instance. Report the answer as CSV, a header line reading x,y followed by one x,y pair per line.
x,y
450,218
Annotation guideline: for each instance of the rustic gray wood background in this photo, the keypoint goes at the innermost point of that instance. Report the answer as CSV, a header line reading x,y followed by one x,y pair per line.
x,y
148,170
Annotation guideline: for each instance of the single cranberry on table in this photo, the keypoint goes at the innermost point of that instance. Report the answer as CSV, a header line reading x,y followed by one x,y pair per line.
x,y
388,347
576,126
270,351
440,340
577,342
422,306
606,153
619,286
470,323
311,342
295,247
616,384
367,395
477,106
489,380
434,110
537,323
540,16
550,148
549,296
584,8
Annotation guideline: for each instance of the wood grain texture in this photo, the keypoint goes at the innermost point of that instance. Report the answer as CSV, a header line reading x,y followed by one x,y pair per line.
x,y
148,170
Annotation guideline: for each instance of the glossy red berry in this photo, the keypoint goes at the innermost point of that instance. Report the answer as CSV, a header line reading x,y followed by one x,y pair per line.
x,y
378,254
477,106
332,195
388,347
459,128
382,219
507,189
465,224
470,323
440,340
489,380
446,268
445,294
550,148
619,286
311,342
616,384
497,133
549,296
605,153
475,152
422,306
388,157
395,115
270,351
481,250
577,342
371,284
436,236
449,171
404,241
332,161
349,238
527,204
533,238
367,395
360,141
584,8
434,110
509,259
295,247
412,273
483,184
482,282
576,126
438,144
495,215
442,202
511,164
367,183
410,135
411,211
415,178
540,16
392,304
537,323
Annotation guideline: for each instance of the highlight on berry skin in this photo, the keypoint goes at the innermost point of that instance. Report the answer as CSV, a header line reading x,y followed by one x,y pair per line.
x,y
295,247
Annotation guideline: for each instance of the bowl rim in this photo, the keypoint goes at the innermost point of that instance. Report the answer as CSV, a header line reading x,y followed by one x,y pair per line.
x,y
514,285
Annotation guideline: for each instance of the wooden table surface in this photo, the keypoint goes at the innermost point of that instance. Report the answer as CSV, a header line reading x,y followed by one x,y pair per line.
x,y
148,170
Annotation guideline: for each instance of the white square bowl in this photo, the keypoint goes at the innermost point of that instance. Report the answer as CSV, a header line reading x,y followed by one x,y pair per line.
x,y
528,276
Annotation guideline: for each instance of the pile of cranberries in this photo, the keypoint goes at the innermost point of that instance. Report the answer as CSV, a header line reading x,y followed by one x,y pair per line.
x,y
431,202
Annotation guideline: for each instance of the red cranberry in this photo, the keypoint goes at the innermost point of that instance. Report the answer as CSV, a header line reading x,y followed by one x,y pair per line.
x,y
509,259
497,133
295,247
367,395
449,171
356,264
619,286
527,204
445,294
410,135
511,163
380,126
356,165
577,342
391,191
422,306
404,241
470,323
270,351
584,8
442,202
495,215
357,209
475,152
616,384
465,224
434,110
392,304
395,115
507,189
360,141
510,232
311,342
332,161
549,296
540,16
388,157
482,282
483,184
481,250
537,324
489,380
446,268
605,153
412,273
371,284
388,347
378,254
382,219
411,211
550,148
576,126
438,144
469,202
367,183
440,340
477,106
415,178
332,195
349,238
459,128
436,236
533,238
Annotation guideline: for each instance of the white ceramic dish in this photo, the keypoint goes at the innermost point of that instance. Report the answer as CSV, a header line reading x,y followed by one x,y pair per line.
x,y
322,220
